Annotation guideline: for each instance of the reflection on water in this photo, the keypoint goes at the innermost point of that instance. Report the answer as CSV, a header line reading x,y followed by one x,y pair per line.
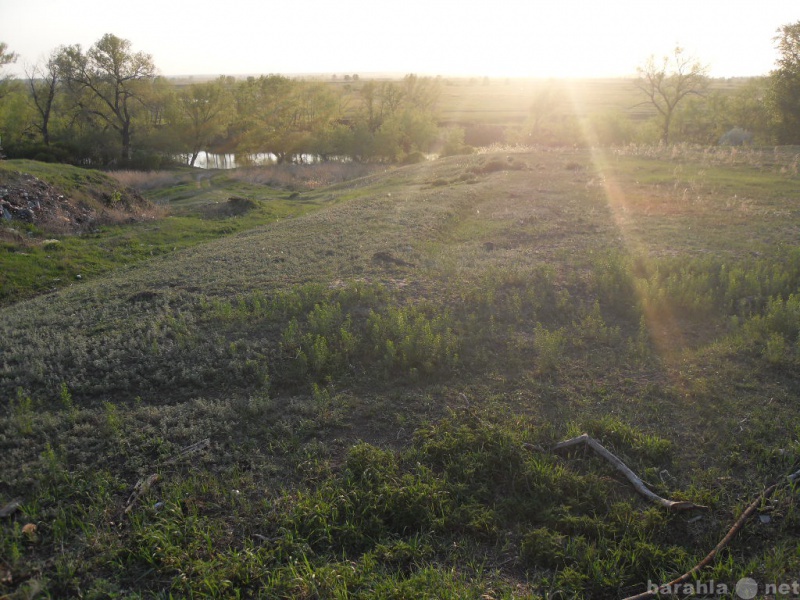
x,y
207,160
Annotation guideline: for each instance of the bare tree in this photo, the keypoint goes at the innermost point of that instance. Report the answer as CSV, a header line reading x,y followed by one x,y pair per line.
x,y
668,82
43,81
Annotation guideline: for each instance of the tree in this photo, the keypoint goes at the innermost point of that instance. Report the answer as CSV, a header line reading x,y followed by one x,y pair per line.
x,y
785,85
667,83
6,58
109,82
267,113
540,126
43,83
202,114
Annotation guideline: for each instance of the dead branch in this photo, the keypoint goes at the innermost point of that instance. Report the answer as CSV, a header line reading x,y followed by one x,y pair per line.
x,y
140,489
620,466
794,477
10,508
724,542
189,450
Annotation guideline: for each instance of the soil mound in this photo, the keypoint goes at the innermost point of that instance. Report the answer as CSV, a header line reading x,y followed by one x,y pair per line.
x,y
24,198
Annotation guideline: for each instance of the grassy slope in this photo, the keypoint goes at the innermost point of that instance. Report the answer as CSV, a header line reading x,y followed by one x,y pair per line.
x,y
198,211
379,382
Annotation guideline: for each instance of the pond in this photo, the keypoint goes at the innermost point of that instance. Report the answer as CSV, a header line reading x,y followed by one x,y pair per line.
x,y
209,160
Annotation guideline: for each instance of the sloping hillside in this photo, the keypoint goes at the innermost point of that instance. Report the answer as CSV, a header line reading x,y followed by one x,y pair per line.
x,y
64,199
362,401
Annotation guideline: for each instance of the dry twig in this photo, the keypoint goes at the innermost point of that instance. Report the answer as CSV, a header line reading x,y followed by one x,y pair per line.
x,y
193,449
637,483
140,489
10,508
724,542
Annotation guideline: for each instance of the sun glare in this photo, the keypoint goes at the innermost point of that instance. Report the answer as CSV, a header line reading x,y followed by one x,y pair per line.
x,y
505,38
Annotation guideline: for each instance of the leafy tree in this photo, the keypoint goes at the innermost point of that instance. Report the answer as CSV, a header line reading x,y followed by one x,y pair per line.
x,y
540,125
284,117
612,128
109,82
408,132
396,119
6,58
265,112
203,112
380,101
703,120
668,82
453,142
785,85
421,93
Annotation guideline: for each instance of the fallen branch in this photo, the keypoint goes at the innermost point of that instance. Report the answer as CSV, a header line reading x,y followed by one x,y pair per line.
x,y
724,542
140,489
620,466
794,477
193,449
144,484
10,508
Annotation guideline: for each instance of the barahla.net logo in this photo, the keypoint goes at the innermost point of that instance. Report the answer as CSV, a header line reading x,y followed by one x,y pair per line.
x,y
746,588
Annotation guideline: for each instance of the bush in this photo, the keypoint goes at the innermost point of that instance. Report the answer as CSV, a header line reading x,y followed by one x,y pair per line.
x,y
413,158
453,143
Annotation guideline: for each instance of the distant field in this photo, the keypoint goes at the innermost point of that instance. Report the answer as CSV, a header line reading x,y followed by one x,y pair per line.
x,y
507,101
360,398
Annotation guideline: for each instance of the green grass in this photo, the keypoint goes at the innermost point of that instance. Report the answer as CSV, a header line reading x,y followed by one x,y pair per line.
x,y
195,208
381,389
81,185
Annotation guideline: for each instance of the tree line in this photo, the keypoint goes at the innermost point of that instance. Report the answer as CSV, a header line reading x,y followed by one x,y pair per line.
x,y
107,106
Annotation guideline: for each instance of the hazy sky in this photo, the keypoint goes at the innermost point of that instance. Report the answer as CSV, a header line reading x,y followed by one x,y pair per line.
x,y
500,38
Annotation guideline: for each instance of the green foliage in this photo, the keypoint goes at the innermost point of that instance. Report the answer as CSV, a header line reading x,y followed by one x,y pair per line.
x,y
550,346
776,332
785,84
325,346
614,128
407,339
22,410
453,142
109,81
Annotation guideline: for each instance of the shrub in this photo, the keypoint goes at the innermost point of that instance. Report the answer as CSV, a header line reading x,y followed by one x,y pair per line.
x,y
406,339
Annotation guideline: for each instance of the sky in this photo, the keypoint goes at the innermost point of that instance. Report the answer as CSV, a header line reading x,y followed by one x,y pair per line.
x,y
494,38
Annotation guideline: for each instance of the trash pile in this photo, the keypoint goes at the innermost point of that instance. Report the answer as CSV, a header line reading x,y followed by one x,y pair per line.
x,y
31,200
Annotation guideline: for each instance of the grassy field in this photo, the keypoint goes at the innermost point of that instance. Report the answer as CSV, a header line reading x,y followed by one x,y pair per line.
x,y
507,102
361,401
190,207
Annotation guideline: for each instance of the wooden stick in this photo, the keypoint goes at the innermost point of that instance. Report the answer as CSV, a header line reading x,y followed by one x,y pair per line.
x,y
724,542
193,449
140,489
10,508
620,466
